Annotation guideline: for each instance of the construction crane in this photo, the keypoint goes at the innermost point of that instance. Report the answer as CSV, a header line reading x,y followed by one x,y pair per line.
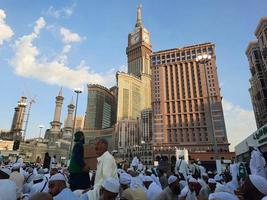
x,y
32,100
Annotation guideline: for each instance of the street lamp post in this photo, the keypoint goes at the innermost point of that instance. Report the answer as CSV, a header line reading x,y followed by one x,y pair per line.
x,y
77,91
203,59
40,132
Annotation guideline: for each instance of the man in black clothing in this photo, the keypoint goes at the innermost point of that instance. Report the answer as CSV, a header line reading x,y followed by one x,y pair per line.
x,y
79,172
47,160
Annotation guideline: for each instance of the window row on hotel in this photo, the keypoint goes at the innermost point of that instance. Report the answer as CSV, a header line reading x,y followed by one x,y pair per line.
x,y
179,56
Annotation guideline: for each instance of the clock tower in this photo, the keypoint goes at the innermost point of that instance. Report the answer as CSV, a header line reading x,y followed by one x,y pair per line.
x,y
139,48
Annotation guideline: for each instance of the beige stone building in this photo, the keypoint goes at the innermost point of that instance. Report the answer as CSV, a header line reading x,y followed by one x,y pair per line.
x,y
257,57
134,95
180,100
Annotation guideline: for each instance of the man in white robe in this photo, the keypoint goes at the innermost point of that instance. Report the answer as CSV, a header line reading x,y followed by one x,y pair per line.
x,y
153,190
58,188
106,167
189,193
257,163
181,167
7,187
17,178
39,185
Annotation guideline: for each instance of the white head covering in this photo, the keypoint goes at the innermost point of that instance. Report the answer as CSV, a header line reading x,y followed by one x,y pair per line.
x,y
135,162
111,185
130,169
172,179
38,177
46,170
264,198
41,171
58,177
211,180
149,170
259,182
140,166
125,179
192,180
218,177
204,174
6,171
222,196
147,179
16,166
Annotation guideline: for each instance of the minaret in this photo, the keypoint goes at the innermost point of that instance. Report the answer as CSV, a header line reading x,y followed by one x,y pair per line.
x,y
18,119
56,124
69,121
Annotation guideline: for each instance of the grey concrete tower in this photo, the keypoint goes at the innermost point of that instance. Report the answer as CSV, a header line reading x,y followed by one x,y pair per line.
x,y
56,124
69,121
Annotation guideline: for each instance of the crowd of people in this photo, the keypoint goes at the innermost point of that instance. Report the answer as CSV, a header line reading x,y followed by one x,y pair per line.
x,y
188,181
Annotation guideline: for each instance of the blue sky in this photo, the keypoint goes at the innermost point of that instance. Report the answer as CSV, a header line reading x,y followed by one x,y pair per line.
x,y
79,36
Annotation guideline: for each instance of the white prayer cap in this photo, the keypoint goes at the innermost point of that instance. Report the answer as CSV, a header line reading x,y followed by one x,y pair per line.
x,y
41,171
149,170
147,179
46,170
6,171
204,174
192,180
222,196
38,177
111,185
259,182
125,179
58,177
172,179
211,180
120,171
16,166
218,178
140,166
130,169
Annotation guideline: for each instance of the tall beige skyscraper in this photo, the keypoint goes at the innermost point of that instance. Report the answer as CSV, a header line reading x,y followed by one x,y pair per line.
x,y
134,87
134,92
180,100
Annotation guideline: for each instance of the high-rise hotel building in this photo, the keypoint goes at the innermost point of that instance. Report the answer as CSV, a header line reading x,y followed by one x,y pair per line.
x,y
180,100
257,57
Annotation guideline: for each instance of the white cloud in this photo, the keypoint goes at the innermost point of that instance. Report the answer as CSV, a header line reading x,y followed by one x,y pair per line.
x,y
5,31
69,36
240,122
63,12
27,63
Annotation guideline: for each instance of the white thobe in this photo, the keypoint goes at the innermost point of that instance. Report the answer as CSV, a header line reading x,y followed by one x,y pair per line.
x,y
106,167
188,194
202,169
183,169
37,187
257,164
7,189
153,191
19,180
66,194
156,180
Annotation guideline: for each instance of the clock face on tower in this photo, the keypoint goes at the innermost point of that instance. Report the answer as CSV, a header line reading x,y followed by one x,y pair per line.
x,y
135,38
